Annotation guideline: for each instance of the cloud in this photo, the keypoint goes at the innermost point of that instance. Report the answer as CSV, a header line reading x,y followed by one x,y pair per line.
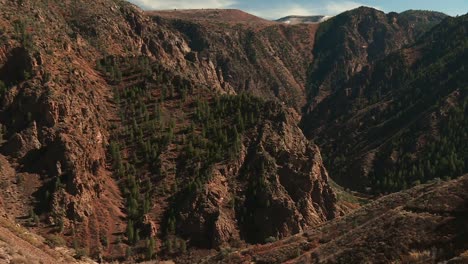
x,y
333,8
183,4
263,9
281,11
329,8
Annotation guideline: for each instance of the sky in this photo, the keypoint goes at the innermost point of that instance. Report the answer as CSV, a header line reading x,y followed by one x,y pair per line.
x,y
273,9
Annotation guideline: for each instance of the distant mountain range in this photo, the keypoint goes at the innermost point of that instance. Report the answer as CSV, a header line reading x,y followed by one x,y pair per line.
x,y
303,19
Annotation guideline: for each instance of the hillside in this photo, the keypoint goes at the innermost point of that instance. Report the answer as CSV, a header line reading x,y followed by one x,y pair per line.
x,y
218,16
219,166
268,60
348,43
130,135
131,139
19,245
426,224
401,119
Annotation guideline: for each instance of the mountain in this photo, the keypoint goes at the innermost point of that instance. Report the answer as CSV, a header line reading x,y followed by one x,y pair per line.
x,y
426,224
346,44
302,19
228,16
400,119
20,245
130,135
266,59
136,135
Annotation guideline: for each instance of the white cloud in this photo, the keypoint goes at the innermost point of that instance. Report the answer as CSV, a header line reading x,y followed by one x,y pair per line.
x,y
329,8
326,7
333,8
183,4
281,11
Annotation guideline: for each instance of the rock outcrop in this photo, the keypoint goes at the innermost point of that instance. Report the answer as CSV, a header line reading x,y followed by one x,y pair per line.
x,y
426,224
398,114
129,134
277,187
59,111
349,43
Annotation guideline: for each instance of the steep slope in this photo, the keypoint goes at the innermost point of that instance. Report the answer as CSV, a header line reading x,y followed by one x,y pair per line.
x,y
401,121
348,43
268,60
221,169
427,224
120,134
17,245
54,126
132,136
20,245
422,21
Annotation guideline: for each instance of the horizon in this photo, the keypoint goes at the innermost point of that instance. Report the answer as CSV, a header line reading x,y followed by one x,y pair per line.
x,y
276,9
290,15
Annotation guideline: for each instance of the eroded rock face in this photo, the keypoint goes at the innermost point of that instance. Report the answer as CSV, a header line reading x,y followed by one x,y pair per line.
x,y
269,59
296,192
427,223
351,42
23,142
207,218
54,120
71,106
280,183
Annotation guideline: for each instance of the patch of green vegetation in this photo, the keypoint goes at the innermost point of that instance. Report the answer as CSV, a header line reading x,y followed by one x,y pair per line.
x,y
55,241
445,157
249,46
3,88
146,130
346,195
22,34
411,93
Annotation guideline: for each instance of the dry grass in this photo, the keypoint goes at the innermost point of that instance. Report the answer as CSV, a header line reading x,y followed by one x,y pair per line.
x,y
19,260
55,241
21,232
418,257
464,257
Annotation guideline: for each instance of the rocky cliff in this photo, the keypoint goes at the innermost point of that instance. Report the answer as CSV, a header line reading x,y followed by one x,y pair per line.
x,y
349,43
276,187
426,224
260,57
399,116
132,135
98,150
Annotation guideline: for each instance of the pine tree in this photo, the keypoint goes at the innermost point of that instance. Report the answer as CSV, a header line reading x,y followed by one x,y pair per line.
x,y
130,231
3,88
150,246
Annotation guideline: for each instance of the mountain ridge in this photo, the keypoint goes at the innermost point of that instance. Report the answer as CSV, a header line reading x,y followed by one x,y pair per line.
x,y
79,118
131,135
233,16
410,225
377,130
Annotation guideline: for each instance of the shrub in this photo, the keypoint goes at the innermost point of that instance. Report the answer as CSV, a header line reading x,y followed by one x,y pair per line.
x,y
19,260
418,257
55,241
104,240
3,88
81,253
